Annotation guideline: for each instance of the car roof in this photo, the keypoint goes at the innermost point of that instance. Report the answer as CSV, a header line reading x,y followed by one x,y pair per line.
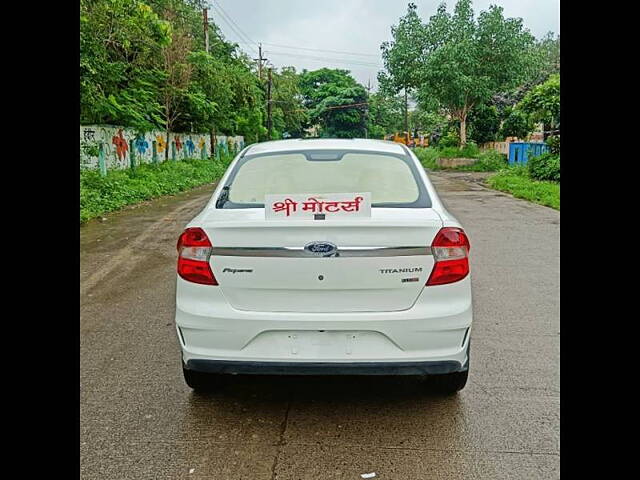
x,y
295,144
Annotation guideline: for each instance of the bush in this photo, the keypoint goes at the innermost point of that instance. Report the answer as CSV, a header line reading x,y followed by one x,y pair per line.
x,y
470,150
489,161
484,123
451,139
428,157
554,144
515,124
99,195
545,167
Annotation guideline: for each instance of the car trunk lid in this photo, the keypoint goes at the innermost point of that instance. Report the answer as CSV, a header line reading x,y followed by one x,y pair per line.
x,y
381,263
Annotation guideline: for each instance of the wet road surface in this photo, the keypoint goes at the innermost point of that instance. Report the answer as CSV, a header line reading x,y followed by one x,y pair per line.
x,y
139,419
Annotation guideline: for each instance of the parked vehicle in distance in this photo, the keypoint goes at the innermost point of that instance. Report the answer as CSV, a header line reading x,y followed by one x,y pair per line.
x,y
324,256
411,141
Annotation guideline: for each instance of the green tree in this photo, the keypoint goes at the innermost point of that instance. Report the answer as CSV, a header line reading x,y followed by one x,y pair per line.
x,y
468,61
143,65
120,45
402,58
484,123
546,60
336,102
177,75
288,112
384,115
542,103
515,124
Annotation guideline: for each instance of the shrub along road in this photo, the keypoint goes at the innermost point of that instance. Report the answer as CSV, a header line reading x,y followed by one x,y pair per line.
x,y
139,419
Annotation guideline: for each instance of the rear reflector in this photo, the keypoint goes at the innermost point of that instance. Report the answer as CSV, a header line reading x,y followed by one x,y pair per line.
x,y
450,250
194,251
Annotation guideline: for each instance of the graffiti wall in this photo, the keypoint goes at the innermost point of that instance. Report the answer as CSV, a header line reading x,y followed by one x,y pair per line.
x,y
123,147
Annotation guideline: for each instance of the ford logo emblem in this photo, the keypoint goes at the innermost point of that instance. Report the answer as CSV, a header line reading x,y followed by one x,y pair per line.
x,y
322,249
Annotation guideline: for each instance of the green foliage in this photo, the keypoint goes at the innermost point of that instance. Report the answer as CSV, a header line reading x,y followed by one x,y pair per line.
x,y
469,60
143,65
554,144
515,124
470,150
402,57
451,139
120,45
326,89
99,195
521,186
542,103
489,161
544,60
545,56
484,123
385,114
428,157
288,113
545,167
425,120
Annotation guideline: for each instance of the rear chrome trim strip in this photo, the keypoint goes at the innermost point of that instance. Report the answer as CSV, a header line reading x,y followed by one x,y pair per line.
x,y
302,253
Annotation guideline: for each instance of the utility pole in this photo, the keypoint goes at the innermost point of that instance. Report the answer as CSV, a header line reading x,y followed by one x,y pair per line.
x,y
206,29
260,59
269,105
366,126
406,115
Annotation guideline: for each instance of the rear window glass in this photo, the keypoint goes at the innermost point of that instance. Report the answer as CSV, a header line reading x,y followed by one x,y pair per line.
x,y
392,180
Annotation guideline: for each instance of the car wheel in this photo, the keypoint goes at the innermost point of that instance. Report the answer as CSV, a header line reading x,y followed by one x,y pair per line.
x,y
202,382
449,383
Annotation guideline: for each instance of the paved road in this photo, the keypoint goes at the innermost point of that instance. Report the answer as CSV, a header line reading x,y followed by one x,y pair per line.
x,y
139,419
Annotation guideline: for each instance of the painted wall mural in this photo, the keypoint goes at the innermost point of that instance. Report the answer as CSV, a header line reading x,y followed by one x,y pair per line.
x,y
119,143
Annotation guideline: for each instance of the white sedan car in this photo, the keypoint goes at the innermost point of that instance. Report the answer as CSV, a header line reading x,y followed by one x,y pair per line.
x,y
324,256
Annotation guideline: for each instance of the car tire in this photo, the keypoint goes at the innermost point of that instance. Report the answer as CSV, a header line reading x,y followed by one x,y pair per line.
x,y
202,382
449,383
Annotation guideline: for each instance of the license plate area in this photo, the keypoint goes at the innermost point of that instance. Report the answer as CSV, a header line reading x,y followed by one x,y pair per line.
x,y
321,343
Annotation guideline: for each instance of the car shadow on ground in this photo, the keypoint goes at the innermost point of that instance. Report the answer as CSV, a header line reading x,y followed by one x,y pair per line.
x,y
325,388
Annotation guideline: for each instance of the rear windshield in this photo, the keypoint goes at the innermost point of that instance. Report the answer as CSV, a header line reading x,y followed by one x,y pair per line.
x,y
393,180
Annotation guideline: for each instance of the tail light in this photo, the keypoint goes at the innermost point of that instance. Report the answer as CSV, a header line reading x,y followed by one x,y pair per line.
x,y
194,250
451,253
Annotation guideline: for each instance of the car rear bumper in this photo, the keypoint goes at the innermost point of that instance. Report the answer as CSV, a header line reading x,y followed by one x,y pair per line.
x,y
325,368
435,331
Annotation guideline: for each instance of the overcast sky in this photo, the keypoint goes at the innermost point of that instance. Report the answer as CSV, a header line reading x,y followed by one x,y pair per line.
x,y
291,31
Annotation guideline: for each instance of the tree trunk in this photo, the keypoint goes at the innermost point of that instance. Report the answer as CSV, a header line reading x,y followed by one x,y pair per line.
x,y
166,148
463,130
212,136
406,114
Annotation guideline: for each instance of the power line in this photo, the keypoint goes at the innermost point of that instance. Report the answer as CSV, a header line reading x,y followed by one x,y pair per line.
x,y
223,12
328,59
238,34
324,50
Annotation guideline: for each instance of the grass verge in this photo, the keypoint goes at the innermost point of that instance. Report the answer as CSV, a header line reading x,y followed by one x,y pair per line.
x,y
119,188
489,161
520,185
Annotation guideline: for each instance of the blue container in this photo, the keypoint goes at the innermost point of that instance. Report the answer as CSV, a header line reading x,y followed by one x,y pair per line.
x,y
519,152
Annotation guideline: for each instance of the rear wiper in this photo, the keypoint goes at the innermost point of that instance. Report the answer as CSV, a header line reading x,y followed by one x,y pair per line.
x,y
223,198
